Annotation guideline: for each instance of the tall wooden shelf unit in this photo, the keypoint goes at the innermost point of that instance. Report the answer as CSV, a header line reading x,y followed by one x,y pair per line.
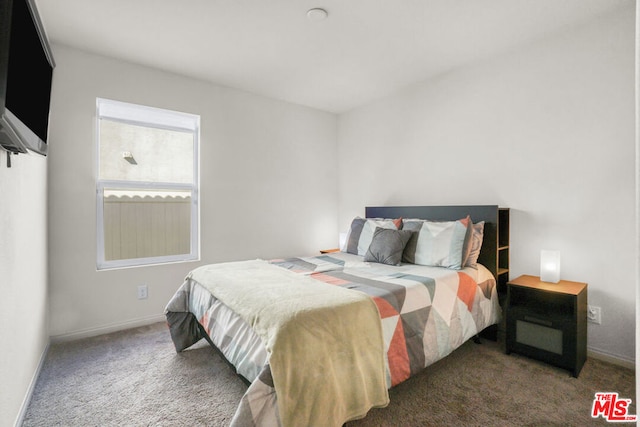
x,y
503,249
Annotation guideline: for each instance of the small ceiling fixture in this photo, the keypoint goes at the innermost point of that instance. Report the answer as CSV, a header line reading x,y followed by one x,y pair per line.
x,y
317,14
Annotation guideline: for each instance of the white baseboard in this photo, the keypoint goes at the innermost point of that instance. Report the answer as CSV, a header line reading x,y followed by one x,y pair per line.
x,y
107,329
611,358
32,386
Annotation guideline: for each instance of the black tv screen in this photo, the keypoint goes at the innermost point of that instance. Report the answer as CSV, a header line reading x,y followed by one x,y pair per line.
x,y
26,70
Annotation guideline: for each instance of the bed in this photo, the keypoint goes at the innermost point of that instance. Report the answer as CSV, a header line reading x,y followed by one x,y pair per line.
x,y
321,339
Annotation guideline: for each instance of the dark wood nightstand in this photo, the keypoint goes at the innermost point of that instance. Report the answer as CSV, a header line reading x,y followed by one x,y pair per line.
x,y
329,251
548,321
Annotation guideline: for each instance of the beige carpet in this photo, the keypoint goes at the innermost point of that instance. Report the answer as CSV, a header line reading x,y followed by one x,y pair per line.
x,y
135,378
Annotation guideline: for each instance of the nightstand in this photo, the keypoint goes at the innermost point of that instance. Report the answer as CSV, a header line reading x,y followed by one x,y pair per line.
x,y
548,321
329,251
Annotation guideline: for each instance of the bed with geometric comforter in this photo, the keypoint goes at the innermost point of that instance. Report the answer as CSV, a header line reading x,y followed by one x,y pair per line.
x,y
422,313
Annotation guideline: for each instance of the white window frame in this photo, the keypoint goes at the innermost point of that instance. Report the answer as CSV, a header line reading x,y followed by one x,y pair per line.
x,y
155,118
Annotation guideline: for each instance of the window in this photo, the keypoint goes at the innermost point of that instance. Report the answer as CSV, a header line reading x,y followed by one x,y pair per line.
x,y
147,185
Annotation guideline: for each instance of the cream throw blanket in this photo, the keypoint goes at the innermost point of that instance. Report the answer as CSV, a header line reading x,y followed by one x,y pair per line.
x,y
325,342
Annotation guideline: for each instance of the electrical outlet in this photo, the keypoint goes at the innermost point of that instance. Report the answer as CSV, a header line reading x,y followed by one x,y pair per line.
x,y
143,292
594,315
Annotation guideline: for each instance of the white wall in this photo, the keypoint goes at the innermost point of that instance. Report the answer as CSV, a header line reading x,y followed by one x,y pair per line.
x,y
24,331
547,130
268,186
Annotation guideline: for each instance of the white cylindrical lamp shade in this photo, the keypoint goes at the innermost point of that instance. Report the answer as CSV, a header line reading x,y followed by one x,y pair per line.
x,y
550,266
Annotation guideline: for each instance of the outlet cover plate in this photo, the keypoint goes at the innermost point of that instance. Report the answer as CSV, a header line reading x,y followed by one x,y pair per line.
x,y
594,315
143,292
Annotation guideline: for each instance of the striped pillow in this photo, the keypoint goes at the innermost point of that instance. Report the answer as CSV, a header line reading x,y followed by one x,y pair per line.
x,y
361,233
437,243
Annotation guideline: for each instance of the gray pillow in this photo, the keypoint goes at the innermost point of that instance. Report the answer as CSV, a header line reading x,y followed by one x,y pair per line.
x,y
354,235
409,255
387,246
475,245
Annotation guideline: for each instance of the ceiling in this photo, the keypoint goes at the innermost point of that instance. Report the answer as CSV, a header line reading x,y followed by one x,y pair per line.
x,y
364,50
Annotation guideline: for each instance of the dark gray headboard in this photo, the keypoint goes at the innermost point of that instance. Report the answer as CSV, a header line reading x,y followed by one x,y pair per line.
x,y
487,213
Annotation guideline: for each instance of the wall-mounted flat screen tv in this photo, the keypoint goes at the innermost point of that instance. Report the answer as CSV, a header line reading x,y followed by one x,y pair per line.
x,y
26,70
